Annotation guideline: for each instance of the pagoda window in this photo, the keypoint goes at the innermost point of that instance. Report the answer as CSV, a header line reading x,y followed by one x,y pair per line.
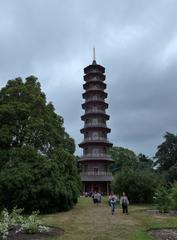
x,y
86,151
95,135
85,168
105,168
95,170
95,120
95,151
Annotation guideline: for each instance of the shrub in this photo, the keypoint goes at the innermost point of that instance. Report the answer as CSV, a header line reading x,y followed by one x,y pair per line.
x,y
162,199
4,223
17,222
31,224
173,196
138,185
35,182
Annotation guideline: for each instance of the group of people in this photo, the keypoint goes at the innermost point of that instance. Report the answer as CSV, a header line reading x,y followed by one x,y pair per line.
x,y
96,196
123,201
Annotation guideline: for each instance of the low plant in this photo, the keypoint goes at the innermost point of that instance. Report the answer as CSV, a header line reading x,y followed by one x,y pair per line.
x,y
16,221
31,224
4,223
173,196
163,199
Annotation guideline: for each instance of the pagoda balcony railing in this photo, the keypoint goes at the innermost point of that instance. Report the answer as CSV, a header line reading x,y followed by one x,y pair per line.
x,y
95,88
93,79
95,111
96,156
95,99
95,125
99,173
95,139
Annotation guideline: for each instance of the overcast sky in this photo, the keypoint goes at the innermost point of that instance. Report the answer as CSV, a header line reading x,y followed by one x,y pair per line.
x,y
135,40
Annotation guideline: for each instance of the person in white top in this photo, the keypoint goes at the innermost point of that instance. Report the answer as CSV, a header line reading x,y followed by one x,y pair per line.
x,y
124,202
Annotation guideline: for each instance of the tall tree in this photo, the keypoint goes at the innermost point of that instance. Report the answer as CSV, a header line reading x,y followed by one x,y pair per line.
x,y
166,155
37,166
123,158
26,118
144,162
139,185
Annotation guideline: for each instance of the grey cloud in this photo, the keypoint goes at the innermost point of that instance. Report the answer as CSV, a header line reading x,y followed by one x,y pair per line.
x,y
135,40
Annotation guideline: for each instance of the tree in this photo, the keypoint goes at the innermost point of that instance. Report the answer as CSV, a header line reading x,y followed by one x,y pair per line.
x,y
123,158
139,185
166,152
165,157
26,118
37,166
144,162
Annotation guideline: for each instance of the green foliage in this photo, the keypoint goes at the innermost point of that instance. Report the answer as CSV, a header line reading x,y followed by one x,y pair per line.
x,y
144,162
165,157
123,158
139,185
37,166
36,182
173,196
31,224
162,199
127,159
4,223
26,118
19,223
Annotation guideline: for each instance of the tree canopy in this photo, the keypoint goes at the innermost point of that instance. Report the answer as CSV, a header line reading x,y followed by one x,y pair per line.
x,y
166,157
37,166
27,119
125,158
140,186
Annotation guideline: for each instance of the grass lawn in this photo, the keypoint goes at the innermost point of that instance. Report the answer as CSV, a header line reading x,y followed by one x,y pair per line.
x,y
88,222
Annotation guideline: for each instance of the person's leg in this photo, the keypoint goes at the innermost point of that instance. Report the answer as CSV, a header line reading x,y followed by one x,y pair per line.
x,y
112,208
123,208
126,209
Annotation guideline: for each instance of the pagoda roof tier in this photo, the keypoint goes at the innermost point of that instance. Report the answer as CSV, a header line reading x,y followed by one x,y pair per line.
x,y
96,127
93,113
91,141
96,158
103,85
92,76
90,102
90,91
94,68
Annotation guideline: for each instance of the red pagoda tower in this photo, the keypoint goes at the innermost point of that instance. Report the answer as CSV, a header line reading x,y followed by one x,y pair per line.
x,y
95,162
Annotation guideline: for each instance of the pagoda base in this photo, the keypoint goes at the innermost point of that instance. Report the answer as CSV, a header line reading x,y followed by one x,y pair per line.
x,y
101,187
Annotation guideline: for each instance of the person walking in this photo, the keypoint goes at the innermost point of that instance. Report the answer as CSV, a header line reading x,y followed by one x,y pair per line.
x,y
124,202
112,202
96,198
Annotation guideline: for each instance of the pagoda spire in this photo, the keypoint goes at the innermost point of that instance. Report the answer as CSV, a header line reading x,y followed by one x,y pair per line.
x,y
94,58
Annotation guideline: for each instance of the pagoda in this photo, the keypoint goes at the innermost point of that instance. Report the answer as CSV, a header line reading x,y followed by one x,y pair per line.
x,y
95,162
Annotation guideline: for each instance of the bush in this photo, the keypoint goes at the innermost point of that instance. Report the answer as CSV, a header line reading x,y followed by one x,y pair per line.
x,y
35,182
173,196
19,223
31,224
138,185
162,199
